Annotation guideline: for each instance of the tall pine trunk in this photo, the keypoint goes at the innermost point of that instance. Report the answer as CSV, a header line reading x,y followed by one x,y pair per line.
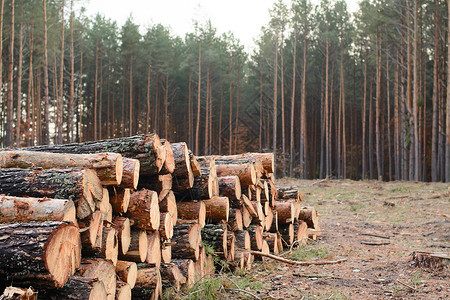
x,y
197,127
447,130
19,82
61,80
9,103
291,152
275,98
70,133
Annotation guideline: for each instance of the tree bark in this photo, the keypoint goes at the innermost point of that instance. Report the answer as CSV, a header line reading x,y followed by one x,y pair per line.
x,y
190,210
187,240
104,271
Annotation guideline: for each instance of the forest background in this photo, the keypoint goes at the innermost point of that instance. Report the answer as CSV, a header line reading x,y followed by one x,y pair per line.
x,y
332,94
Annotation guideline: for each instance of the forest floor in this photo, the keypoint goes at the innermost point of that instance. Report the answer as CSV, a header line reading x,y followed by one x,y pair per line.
x,y
402,217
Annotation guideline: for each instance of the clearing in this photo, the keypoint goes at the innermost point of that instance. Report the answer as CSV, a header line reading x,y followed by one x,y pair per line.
x,y
376,225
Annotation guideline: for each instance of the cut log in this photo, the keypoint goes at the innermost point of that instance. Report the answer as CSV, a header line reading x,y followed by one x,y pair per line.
x,y
123,228
107,247
77,287
216,237
104,270
130,177
287,232
127,272
274,227
217,209
199,264
119,199
230,186
187,269
249,205
242,240
108,165
161,184
256,237
166,252
169,205
269,218
91,229
209,266
169,163
146,148
123,291
205,186
245,172
272,190
40,254
285,211
235,219
231,244
183,163
81,186
192,210
267,159
246,217
264,249
437,261
15,293
195,166
148,283
171,275
260,218
23,210
309,215
272,241
166,226
289,192
186,239
144,209
154,248
279,242
137,251
300,231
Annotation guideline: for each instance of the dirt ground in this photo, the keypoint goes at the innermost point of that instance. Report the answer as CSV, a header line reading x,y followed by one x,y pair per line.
x,y
400,217
375,225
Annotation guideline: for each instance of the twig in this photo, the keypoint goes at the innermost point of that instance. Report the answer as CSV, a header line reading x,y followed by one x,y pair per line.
x,y
243,291
299,263
408,286
376,235
375,243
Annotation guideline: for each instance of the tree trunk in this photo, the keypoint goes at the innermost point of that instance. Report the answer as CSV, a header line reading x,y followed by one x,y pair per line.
x,y
61,82
171,275
229,186
70,133
19,83
39,254
9,103
447,131
197,128
275,97
292,143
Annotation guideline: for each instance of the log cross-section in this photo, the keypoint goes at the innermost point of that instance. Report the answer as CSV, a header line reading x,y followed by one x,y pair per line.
x,y
39,254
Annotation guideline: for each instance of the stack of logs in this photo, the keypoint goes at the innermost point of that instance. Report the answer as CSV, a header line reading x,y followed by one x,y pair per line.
x,y
123,218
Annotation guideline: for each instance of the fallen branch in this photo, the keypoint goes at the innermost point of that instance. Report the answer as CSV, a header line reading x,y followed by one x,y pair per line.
x,y
243,291
375,243
376,235
299,263
408,286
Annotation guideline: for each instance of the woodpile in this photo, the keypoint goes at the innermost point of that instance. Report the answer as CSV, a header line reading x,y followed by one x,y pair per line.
x,y
125,218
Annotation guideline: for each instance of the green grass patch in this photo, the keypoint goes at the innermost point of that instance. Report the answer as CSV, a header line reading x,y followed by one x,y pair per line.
x,y
309,252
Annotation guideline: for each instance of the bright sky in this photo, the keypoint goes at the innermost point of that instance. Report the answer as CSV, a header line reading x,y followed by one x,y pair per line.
x,y
242,17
